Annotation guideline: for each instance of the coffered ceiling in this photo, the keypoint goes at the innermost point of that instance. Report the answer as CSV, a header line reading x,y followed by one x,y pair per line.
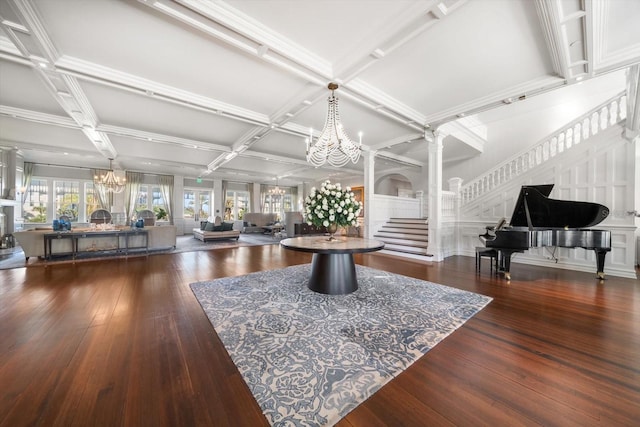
x,y
229,89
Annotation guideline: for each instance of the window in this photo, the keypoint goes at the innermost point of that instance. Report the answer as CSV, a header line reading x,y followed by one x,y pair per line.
x,y
236,204
90,200
67,199
188,210
36,202
153,203
279,203
196,204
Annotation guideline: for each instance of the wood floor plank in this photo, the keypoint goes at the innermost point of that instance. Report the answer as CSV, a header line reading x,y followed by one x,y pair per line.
x,y
124,342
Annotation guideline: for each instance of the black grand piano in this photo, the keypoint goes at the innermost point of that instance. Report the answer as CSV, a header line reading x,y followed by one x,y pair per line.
x,y
539,221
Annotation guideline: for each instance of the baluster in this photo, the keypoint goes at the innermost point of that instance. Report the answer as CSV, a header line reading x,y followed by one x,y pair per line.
x,y
595,122
622,111
567,140
604,117
613,109
546,148
538,155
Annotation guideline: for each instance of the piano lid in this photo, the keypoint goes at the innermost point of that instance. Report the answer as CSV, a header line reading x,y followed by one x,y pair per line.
x,y
534,209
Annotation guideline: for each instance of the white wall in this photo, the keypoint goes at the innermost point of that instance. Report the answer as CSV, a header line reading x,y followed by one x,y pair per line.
x,y
600,170
515,127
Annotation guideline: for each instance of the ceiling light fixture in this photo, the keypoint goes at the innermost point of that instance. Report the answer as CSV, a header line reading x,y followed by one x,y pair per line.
x,y
109,182
277,191
333,145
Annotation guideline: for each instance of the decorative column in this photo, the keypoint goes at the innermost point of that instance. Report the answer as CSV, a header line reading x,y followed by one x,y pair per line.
x,y
218,200
369,183
435,194
257,198
455,184
10,211
178,204
632,129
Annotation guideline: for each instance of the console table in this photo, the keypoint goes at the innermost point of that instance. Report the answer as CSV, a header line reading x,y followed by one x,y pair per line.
x,y
115,240
333,271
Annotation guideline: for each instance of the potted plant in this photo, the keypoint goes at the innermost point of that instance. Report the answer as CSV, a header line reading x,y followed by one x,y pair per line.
x,y
160,213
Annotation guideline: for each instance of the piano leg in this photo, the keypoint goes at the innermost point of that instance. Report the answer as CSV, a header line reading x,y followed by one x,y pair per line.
x,y
600,257
505,260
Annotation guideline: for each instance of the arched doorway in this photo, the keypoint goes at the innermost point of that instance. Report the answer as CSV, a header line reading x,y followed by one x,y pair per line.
x,y
394,185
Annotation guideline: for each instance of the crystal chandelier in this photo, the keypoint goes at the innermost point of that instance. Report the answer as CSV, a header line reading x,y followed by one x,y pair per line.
x,y
277,191
109,182
333,145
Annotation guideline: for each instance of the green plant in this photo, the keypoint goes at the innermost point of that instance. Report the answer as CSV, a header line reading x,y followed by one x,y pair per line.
x,y
160,212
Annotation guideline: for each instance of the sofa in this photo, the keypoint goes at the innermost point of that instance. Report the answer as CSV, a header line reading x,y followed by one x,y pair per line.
x,y
254,221
215,230
32,241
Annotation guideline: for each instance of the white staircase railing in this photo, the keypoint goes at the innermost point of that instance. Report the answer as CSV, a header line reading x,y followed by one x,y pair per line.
x,y
600,118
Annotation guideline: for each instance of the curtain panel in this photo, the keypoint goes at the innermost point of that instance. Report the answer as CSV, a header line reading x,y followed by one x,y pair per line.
x,y
166,188
132,187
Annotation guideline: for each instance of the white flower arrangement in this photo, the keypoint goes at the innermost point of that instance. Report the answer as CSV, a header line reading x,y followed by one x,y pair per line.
x,y
331,205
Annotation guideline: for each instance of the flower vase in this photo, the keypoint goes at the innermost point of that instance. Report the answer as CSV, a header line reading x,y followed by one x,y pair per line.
x,y
332,228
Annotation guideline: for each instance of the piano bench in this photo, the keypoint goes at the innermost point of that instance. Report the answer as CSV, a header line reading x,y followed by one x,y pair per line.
x,y
491,253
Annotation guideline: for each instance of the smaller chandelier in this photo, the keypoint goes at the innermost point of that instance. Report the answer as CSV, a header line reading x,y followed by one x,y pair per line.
x,y
333,145
109,182
277,191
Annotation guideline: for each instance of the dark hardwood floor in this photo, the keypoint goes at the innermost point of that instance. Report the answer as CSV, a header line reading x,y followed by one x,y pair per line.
x,y
124,342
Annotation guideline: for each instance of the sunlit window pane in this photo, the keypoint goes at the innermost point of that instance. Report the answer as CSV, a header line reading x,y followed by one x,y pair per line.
x,y
35,202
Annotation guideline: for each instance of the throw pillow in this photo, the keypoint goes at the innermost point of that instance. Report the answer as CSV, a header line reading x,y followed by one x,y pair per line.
x,y
218,228
203,224
227,226
209,227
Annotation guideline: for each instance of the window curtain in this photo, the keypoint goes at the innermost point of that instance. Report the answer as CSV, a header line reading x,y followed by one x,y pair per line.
x,y
166,188
252,193
27,176
132,187
225,184
103,197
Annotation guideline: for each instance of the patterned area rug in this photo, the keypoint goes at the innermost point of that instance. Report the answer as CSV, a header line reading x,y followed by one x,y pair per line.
x,y
310,358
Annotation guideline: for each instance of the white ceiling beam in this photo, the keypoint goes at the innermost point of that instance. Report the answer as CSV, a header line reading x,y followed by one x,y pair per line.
x,y
63,89
108,76
259,34
564,31
464,134
292,57
496,99
395,141
38,117
161,138
416,19
403,160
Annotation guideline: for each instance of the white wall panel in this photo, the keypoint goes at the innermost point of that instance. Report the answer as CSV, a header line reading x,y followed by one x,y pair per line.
x,y
599,170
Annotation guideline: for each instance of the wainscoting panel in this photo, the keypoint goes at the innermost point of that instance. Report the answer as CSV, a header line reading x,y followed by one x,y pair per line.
x,y
599,170
384,207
